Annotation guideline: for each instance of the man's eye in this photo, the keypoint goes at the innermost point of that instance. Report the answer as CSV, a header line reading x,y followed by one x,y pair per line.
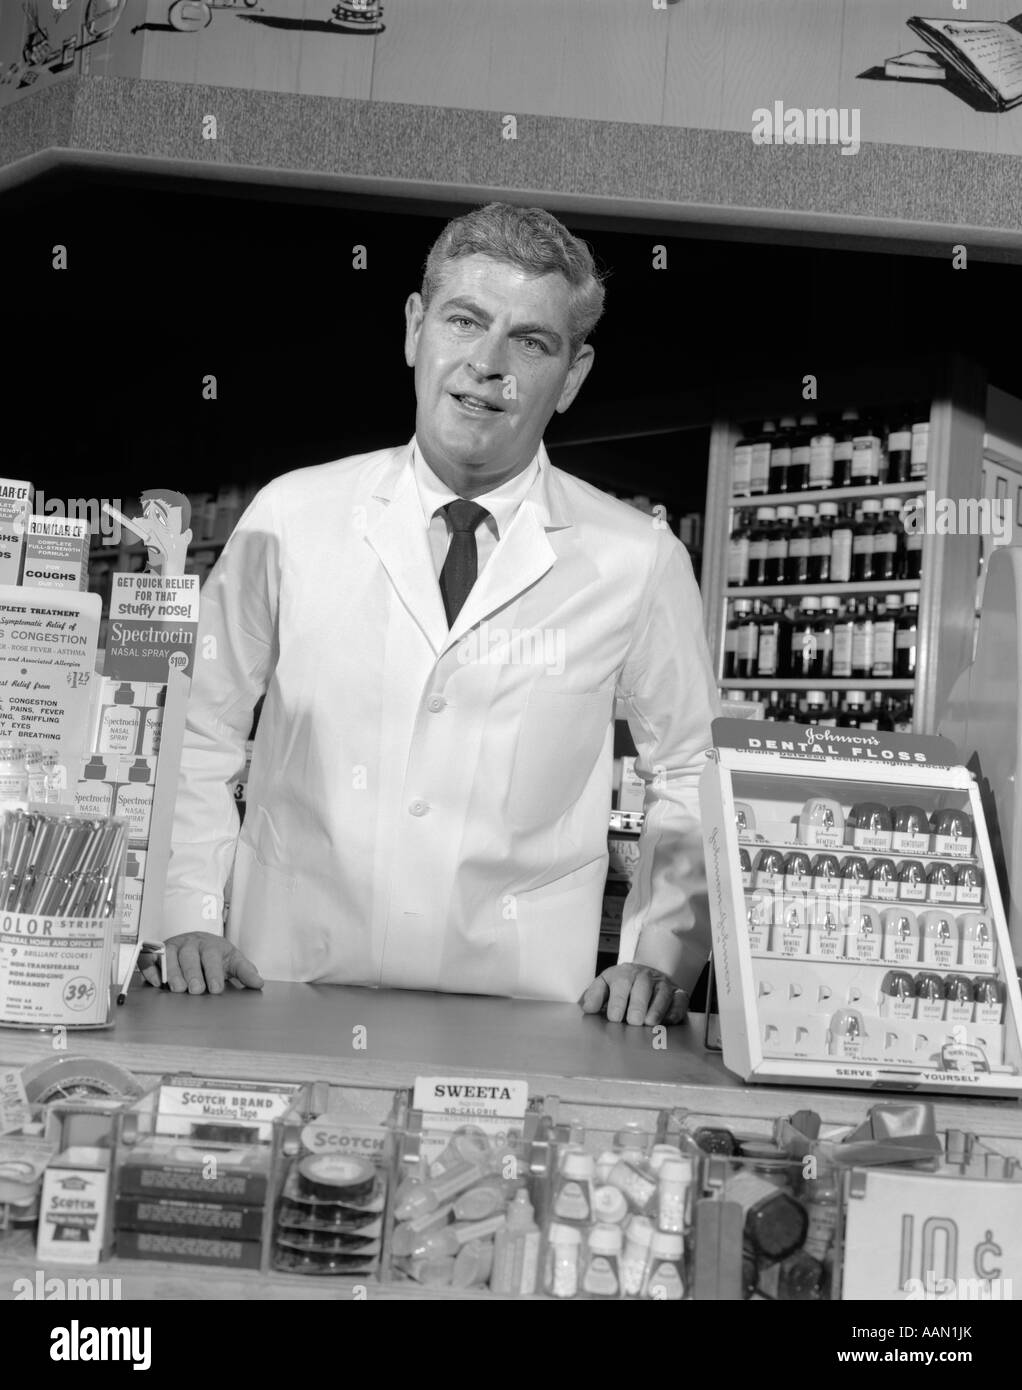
x,y
461,319
534,344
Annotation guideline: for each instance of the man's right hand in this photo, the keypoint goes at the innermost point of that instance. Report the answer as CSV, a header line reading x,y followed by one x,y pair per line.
x,y
198,961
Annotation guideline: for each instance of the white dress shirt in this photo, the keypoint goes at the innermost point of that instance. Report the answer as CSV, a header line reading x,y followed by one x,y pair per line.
x,y
502,504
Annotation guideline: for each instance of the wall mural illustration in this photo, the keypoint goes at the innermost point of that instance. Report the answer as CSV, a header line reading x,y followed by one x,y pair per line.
x,y
55,31
979,60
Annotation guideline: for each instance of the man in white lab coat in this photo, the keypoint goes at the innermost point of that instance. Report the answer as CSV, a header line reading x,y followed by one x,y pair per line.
x,y
440,631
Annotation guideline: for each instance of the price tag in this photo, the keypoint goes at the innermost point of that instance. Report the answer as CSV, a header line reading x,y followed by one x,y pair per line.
x,y
911,1236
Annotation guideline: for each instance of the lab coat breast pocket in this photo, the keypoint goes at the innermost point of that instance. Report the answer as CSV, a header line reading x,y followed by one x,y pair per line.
x,y
560,738
558,934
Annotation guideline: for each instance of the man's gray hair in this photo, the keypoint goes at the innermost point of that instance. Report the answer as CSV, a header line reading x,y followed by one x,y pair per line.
x,y
532,239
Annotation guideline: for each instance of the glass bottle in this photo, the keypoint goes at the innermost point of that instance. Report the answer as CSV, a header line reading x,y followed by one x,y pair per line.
x,y
844,447
746,639
805,640
881,715
736,611
853,711
738,550
866,456
780,455
817,708
797,568
777,545
884,633
864,541
905,638
830,610
889,541
798,471
774,658
899,450
912,564
862,638
741,467
841,549
821,543
841,665
821,459
759,539
920,447
759,467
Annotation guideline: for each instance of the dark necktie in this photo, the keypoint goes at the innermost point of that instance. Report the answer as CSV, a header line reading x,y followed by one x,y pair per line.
x,y
462,563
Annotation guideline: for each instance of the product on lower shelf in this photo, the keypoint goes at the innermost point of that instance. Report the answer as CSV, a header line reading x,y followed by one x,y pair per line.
x,y
618,1221
196,1204
329,1217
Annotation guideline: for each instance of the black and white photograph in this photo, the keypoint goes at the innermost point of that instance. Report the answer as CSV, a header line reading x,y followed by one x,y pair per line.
x,y
511,671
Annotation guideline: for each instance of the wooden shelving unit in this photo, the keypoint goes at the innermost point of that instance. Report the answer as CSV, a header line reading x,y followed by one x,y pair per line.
x,y
956,389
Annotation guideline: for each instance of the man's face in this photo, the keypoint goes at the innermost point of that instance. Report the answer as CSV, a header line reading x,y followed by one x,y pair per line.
x,y
492,364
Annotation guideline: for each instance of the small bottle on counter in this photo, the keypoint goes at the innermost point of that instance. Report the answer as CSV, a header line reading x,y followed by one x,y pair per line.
x,y
563,1260
573,1194
638,1185
675,1179
666,1278
516,1249
601,1274
635,1260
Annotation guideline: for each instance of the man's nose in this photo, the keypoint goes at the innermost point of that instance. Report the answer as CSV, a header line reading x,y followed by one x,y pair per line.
x,y
488,357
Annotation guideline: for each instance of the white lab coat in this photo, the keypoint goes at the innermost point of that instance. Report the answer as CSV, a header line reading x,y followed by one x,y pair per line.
x,y
428,809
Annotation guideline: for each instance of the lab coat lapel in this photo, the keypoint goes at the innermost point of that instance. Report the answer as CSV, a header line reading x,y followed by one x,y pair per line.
x,y
400,539
522,555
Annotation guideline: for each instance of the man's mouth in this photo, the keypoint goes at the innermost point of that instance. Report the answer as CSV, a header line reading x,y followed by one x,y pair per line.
x,y
477,404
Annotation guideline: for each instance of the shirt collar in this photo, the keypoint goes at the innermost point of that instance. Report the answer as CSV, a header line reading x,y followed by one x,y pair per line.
x,y
502,502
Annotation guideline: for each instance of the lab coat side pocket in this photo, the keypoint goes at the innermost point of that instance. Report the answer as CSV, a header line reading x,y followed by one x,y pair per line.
x,y
263,918
558,934
559,740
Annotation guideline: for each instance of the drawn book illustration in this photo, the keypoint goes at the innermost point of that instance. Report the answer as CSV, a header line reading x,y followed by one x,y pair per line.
x,y
986,53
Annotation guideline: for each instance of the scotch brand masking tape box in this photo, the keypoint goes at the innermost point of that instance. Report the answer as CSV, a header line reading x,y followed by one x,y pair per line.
x,y
73,1213
833,962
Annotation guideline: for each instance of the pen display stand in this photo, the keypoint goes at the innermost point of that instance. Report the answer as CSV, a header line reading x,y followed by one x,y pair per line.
x,y
859,937
60,884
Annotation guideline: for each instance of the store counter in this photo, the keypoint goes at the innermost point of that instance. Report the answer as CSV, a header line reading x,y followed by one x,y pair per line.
x,y
295,1032
602,1074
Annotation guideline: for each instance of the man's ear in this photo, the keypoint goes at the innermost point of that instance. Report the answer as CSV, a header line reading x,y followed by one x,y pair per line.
x,y
577,373
415,313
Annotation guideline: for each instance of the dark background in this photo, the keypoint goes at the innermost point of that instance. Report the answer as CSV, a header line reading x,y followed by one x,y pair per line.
x,y
169,281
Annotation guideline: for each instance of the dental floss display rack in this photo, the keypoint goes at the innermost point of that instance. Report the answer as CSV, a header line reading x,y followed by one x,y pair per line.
x,y
777,1004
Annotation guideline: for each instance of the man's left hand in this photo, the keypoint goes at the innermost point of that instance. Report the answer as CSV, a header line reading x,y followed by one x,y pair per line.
x,y
636,994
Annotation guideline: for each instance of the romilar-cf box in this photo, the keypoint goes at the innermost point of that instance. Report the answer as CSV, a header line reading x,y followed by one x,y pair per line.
x,y
859,937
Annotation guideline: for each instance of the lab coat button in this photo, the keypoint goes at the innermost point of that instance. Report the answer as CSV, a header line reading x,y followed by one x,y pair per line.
x,y
436,703
419,808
